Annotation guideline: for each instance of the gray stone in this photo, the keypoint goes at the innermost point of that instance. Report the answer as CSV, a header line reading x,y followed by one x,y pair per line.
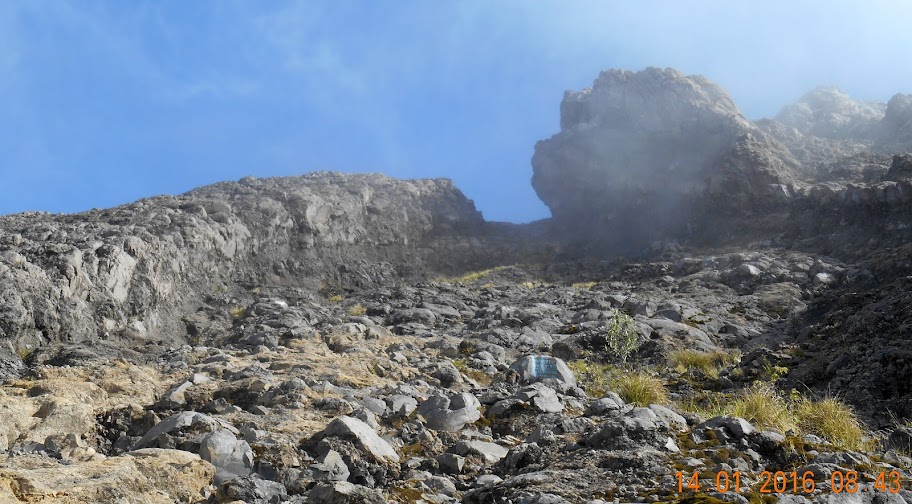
x,y
330,467
366,416
174,398
401,405
542,398
182,420
342,492
748,271
232,458
603,406
490,452
448,375
377,406
252,488
670,418
486,480
450,413
737,428
450,463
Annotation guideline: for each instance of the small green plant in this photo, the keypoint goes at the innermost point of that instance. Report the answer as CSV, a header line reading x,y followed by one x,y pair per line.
x,y
335,298
708,363
773,372
762,406
357,310
640,388
832,420
621,336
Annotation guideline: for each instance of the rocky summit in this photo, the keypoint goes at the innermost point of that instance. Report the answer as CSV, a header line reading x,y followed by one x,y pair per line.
x,y
718,311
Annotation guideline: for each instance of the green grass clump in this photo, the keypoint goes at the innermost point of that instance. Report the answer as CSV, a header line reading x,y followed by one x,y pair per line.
x,y
595,378
832,420
335,299
706,404
640,388
480,377
708,363
764,408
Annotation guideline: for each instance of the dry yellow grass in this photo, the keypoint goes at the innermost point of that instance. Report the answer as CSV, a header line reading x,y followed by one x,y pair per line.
x,y
832,420
764,408
708,363
640,388
357,310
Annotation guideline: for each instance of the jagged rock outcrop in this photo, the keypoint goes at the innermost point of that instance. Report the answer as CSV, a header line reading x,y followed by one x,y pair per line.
x,y
828,112
827,123
637,150
895,131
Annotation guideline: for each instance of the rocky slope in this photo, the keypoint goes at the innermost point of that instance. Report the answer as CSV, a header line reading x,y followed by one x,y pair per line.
x,y
128,274
355,338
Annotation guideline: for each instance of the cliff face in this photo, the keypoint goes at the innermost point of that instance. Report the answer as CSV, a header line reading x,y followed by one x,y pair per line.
x,y
131,271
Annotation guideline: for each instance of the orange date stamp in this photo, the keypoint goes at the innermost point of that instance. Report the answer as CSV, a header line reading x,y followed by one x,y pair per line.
x,y
779,482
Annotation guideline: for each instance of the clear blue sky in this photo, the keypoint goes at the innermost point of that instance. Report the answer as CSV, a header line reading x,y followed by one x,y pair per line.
x,y
105,102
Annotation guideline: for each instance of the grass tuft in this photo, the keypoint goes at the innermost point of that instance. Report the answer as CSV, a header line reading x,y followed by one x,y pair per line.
x,y
708,363
471,277
832,420
764,408
594,378
237,312
357,310
640,388
584,285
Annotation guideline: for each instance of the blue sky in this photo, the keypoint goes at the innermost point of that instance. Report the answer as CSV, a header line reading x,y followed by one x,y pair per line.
x,y
106,102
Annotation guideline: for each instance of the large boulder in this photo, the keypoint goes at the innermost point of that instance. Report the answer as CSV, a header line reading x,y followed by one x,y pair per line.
x,y
450,413
361,434
638,150
231,457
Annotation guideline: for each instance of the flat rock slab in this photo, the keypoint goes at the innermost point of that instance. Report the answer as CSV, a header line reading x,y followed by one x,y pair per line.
x,y
361,434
